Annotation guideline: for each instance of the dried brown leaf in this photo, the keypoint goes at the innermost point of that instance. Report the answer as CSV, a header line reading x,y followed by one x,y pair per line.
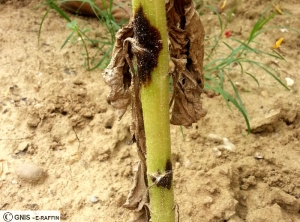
x,y
125,87
186,35
138,197
117,74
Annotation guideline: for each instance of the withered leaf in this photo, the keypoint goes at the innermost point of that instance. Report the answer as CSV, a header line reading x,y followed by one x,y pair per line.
x,y
125,87
138,196
138,191
186,35
117,74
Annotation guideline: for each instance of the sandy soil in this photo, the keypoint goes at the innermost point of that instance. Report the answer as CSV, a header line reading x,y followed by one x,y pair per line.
x,y
54,113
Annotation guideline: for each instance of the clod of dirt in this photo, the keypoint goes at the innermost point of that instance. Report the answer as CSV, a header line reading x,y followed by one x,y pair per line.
x,y
61,129
265,123
267,214
33,121
22,147
235,218
29,172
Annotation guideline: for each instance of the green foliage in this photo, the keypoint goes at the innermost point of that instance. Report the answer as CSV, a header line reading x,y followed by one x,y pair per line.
x,y
218,68
104,45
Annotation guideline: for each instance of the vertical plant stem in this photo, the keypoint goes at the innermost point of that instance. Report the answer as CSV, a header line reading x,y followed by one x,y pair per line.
x,y
155,105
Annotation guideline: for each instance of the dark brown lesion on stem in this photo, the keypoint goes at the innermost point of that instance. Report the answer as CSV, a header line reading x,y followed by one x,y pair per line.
x,y
149,39
164,180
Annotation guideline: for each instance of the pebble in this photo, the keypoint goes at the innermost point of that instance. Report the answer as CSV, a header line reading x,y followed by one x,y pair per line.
x,y
29,172
265,94
289,81
187,163
265,123
22,147
33,121
228,145
94,199
215,138
207,200
258,156
216,152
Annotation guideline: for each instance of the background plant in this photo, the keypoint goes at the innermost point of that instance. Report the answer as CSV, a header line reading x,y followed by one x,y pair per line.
x,y
104,45
218,65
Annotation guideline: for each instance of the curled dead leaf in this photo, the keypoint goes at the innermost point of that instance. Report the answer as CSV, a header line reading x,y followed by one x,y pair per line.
x,y
138,196
186,35
117,74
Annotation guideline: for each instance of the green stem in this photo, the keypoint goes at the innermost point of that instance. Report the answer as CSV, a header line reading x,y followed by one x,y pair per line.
x,y
155,105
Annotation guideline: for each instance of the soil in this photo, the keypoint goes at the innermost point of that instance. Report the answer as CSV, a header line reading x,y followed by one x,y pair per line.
x,y
54,113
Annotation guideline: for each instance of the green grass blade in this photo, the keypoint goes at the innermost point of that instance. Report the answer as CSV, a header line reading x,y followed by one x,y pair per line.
x,y
221,78
54,6
227,98
278,55
41,25
253,77
245,45
228,46
67,39
267,71
240,102
181,130
218,14
106,56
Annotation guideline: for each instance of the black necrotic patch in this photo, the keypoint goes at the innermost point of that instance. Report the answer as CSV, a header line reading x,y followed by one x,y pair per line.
x,y
149,39
164,180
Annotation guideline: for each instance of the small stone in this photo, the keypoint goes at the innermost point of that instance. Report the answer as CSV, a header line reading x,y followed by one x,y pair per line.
x,y
88,114
235,218
266,123
177,165
94,199
187,163
33,121
265,94
258,156
223,171
207,200
229,145
22,147
215,138
268,213
216,152
289,81
29,172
